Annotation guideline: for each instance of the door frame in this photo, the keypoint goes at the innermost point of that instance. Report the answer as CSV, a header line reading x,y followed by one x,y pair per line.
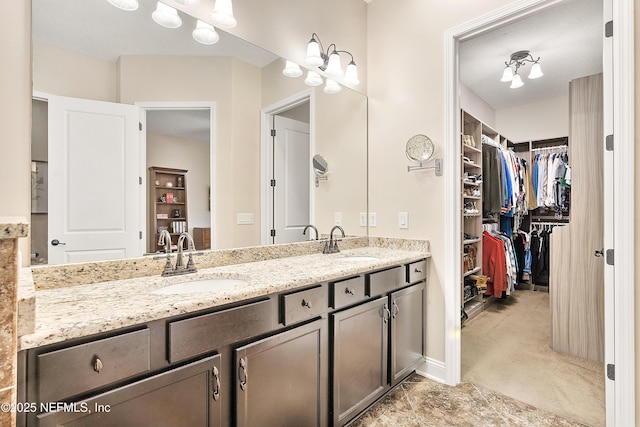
x,y
622,321
267,113
158,106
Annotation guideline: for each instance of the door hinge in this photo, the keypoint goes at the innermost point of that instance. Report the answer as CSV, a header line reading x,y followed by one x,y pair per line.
x,y
139,125
140,235
611,371
609,256
273,132
608,29
273,233
608,142
273,182
140,180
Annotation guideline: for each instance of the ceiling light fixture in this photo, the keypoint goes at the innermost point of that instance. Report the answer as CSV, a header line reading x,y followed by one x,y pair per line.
x,y
166,16
519,59
188,2
222,14
205,33
127,5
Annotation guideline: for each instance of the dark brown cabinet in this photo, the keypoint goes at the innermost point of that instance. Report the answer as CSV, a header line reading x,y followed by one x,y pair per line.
x,y
407,331
184,396
281,380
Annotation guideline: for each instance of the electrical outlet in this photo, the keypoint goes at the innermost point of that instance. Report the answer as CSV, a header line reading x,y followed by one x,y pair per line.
x,y
403,219
338,218
372,219
363,219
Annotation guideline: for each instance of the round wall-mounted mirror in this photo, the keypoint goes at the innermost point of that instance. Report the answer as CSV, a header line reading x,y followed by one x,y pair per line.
x,y
419,148
320,166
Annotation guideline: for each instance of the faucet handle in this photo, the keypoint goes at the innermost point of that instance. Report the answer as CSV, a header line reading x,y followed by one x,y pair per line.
x,y
327,247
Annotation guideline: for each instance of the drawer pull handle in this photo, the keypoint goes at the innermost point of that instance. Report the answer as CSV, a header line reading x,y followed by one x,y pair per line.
x,y
306,303
417,270
394,310
97,365
242,374
386,314
215,379
348,291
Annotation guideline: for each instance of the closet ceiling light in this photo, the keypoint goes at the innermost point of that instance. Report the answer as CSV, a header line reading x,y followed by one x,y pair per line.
x,y
166,16
329,62
517,60
222,14
205,33
125,4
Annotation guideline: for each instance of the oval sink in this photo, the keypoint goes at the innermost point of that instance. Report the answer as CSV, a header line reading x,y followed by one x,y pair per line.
x,y
205,285
358,258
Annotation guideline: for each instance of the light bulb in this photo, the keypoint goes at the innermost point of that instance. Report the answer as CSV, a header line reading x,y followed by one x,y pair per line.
x,y
166,16
188,2
334,68
292,69
314,57
516,82
205,33
507,74
536,71
331,87
313,79
351,75
222,14
127,5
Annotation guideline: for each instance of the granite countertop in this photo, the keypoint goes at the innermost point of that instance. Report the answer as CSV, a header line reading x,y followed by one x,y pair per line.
x,y
63,313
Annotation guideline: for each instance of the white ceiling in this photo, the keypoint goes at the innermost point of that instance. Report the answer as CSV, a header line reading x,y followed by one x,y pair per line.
x,y
567,37
98,29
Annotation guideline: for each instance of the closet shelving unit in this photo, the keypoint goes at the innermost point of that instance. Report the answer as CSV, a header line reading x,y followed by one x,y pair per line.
x,y
472,130
167,212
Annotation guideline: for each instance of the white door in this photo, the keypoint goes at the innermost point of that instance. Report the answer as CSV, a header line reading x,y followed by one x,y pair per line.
x,y
94,188
292,175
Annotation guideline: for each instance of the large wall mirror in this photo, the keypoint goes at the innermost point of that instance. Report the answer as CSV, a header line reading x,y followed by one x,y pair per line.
x,y
207,109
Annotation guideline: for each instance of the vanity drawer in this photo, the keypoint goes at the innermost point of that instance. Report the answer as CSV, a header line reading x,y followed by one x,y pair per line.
x,y
384,281
416,271
73,370
201,334
303,305
346,292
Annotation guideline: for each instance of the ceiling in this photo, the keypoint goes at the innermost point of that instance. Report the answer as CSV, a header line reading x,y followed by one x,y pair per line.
x,y
98,29
567,37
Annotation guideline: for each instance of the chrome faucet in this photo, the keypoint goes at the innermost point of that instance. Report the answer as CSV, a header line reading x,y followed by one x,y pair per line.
x,y
180,268
308,227
331,247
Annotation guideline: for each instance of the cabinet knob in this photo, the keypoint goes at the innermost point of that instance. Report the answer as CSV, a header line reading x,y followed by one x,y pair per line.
x,y
306,303
417,270
97,364
215,383
348,291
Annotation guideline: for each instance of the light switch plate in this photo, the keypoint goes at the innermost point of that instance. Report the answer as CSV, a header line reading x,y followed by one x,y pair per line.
x,y
338,218
363,219
372,219
245,218
403,219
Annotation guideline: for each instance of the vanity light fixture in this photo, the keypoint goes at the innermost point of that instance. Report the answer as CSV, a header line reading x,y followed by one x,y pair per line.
x,y
166,16
205,33
188,2
331,87
127,5
292,69
222,14
313,79
519,59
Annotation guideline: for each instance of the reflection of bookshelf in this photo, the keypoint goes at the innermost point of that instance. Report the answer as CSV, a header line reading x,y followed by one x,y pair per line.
x,y
167,204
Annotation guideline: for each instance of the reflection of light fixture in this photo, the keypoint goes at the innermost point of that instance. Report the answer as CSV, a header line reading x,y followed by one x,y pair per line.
x,y
125,4
188,2
222,14
292,69
520,59
313,79
331,87
166,16
329,61
205,33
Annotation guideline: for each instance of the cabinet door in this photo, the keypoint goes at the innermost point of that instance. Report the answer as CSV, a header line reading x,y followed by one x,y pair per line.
x,y
282,380
407,331
360,358
185,396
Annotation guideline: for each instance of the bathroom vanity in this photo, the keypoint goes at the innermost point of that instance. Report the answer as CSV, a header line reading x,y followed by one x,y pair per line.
x,y
308,340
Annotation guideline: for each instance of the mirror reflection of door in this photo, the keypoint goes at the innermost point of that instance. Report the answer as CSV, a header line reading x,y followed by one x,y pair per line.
x,y
291,173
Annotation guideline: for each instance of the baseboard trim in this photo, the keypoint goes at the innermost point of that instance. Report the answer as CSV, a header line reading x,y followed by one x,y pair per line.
x,y
432,369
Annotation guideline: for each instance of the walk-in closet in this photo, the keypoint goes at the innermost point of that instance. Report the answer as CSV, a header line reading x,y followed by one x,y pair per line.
x,y
531,144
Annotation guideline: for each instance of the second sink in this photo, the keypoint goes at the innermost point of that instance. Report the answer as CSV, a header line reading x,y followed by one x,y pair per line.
x,y
204,285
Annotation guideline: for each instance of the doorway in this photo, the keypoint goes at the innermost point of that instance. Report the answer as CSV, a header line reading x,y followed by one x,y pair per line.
x,y
620,397
287,196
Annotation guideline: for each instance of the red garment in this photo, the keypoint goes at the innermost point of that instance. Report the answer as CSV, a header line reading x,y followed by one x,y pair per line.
x,y
494,264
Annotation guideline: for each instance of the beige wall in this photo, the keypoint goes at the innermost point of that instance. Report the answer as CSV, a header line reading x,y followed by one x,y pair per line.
x,y
636,285
477,107
540,120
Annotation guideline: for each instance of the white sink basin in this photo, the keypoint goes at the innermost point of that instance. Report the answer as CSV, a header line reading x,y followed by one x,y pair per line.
x,y
358,258
205,285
